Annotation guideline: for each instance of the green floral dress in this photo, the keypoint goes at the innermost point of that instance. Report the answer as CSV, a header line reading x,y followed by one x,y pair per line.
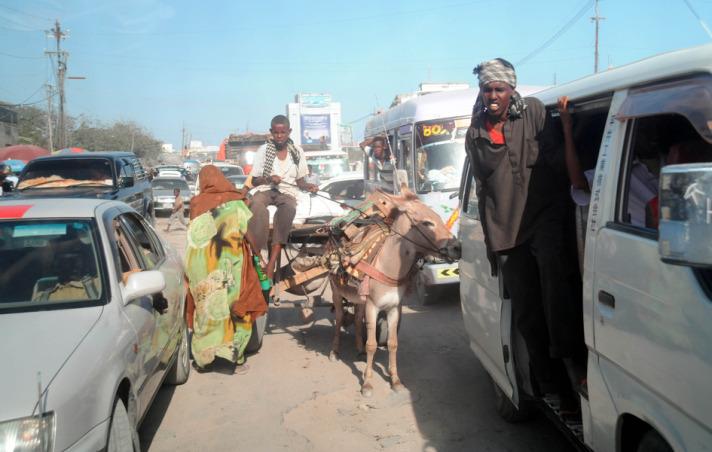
x,y
214,263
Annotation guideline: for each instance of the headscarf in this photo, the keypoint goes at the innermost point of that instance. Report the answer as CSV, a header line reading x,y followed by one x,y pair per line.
x,y
215,189
499,70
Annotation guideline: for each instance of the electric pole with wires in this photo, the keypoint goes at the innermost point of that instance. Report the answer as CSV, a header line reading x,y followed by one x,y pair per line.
x,y
597,18
58,34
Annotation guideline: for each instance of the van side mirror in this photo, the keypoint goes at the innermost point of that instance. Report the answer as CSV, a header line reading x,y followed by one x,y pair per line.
x,y
685,227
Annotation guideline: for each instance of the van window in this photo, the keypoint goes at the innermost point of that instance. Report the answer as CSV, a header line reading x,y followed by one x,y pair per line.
x,y
653,142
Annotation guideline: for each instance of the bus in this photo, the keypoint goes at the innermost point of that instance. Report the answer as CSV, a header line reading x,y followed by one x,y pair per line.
x,y
426,136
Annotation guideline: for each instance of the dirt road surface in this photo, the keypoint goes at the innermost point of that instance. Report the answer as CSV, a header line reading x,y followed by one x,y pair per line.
x,y
293,398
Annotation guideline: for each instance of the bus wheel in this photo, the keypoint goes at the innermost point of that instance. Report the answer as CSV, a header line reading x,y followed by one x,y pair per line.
x,y
507,410
653,442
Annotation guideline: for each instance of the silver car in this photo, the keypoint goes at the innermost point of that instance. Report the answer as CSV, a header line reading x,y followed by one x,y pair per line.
x,y
163,197
91,323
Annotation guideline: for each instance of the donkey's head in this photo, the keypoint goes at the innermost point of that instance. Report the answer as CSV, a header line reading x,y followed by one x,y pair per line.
x,y
422,227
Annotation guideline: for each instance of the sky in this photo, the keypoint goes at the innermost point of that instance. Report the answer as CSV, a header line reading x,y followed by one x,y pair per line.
x,y
221,67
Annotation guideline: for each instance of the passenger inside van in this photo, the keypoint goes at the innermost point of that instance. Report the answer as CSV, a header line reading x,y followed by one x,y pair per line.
x,y
643,183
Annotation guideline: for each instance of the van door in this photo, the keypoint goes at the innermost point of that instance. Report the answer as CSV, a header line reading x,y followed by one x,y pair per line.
x,y
487,315
651,319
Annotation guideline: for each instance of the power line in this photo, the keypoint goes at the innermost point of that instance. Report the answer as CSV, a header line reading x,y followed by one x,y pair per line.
x,y
699,19
556,35
21,57
25,13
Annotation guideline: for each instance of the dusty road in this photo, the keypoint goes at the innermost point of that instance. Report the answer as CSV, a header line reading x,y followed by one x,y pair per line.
x,y
294,398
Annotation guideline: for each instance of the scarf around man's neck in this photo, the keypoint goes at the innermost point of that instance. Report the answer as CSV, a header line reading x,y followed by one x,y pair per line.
x,y
272,153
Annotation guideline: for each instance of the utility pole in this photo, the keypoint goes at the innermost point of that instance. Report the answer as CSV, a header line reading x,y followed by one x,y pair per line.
x,y
49,118
596,19
58,34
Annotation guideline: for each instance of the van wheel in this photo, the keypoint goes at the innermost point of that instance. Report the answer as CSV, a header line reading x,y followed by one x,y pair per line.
x,y
179,372
507,410
653,442
258,331
120,433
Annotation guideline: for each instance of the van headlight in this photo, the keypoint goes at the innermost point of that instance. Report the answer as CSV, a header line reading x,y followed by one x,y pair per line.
x,y
34,433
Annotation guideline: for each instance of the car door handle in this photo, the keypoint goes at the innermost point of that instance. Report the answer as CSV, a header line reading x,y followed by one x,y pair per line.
x,y
606,299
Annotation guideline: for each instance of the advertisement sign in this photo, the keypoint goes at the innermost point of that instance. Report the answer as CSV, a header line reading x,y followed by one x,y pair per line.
x,y
314,100
316,129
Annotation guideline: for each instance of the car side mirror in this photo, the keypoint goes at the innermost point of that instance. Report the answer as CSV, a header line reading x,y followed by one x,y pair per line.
x,y
126,181
685,226
143,283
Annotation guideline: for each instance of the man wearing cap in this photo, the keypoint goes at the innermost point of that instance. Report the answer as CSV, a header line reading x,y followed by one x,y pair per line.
x,y
522,190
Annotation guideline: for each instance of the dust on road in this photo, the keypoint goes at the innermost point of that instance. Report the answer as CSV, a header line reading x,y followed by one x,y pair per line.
x,y
294,398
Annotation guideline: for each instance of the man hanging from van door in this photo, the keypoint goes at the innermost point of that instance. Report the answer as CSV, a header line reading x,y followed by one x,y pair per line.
x,y
522,192
278,172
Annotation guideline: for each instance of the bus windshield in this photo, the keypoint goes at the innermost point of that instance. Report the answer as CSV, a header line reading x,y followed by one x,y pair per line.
x,y
440,154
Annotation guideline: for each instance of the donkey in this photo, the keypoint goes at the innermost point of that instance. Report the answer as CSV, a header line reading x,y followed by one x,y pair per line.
x,y
415,230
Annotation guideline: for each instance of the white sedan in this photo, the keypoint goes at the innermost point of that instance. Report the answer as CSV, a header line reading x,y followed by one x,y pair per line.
x,y
91,323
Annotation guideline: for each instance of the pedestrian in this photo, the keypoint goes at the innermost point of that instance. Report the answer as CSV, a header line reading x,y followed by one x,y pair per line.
x,y
522,190
278,173
178,211
5,183
224,295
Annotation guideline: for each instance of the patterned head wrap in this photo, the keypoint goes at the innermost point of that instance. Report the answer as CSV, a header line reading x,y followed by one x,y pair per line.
x,y
499,70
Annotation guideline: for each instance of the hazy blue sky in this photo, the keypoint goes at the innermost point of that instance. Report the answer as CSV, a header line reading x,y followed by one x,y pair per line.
x,y
221,66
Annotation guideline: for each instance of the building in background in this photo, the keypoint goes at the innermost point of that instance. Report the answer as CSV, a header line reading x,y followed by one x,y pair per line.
x,y
8,126
315,121
168,148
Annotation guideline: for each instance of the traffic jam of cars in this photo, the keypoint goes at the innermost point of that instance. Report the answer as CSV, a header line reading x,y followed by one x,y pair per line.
x,y
89,280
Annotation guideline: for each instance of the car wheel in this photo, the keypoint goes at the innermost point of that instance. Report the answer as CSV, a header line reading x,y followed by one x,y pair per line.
x,y
422,293
507,410
121,433
151,215
381,329
179,372
258,331
653,442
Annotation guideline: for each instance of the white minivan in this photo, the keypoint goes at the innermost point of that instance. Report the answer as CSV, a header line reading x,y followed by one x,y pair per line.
x,y
647,283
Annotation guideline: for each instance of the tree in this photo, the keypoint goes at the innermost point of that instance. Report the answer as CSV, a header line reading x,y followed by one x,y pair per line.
x,y
32,126
119,136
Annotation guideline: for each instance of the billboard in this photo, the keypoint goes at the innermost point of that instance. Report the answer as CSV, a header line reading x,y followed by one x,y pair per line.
x,y
314,100
315,129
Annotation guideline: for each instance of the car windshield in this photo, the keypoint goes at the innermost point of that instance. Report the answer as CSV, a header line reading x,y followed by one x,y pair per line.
x,y
238,181
326,168
231,170
169,184
50,263
58,173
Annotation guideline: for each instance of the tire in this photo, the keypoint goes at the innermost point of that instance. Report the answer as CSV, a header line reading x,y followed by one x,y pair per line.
x,y
423,294
507,410
653,442
151,215
381,329
180,370
121,433
258,331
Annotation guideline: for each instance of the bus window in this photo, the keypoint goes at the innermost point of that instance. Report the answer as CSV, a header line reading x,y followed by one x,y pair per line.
x,y
405,160
439,154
